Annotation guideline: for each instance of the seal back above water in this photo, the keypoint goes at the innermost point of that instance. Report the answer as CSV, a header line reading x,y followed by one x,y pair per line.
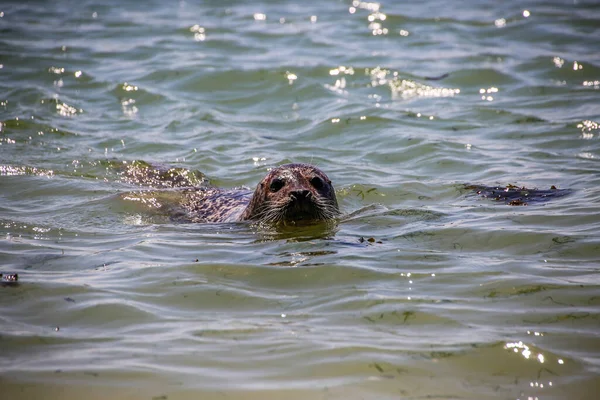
x,y
287,194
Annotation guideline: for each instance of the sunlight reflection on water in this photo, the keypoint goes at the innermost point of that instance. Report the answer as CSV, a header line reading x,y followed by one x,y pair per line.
x,y
424,288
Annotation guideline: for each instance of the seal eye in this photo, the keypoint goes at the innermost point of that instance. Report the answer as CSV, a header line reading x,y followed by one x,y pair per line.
x,y
276,185
317,182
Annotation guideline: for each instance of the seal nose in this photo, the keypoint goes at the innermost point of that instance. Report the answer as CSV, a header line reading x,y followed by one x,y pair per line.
x,y
301,194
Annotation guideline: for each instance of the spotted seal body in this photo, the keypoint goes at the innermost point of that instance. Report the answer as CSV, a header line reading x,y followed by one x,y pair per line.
x,y
288,194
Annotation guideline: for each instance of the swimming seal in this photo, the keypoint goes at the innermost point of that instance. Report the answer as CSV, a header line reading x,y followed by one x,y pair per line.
x,y
288,194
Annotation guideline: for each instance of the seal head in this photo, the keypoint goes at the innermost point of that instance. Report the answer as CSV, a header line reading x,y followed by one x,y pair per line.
x,y
291,193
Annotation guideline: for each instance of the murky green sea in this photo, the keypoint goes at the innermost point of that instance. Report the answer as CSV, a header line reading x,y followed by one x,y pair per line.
x,y
423,289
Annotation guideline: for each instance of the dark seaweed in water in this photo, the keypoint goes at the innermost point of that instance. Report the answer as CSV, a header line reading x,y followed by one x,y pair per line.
x,y
518,196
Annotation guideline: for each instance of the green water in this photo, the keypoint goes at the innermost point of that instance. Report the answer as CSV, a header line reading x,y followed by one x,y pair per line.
x,y
455,296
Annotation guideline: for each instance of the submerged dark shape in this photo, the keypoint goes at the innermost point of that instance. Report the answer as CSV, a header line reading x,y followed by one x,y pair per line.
x,y
518,196
289,193
9,279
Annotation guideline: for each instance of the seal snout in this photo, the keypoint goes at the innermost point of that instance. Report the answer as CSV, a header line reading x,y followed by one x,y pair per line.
x,y
301,203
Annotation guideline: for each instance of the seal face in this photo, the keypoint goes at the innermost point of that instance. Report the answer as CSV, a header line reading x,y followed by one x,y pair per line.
x,y
291,193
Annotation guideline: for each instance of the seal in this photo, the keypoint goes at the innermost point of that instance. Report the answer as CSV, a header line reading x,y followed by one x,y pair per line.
x,y
288,194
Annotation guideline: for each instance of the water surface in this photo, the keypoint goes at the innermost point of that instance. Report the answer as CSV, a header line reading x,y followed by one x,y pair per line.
x,y
456,296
